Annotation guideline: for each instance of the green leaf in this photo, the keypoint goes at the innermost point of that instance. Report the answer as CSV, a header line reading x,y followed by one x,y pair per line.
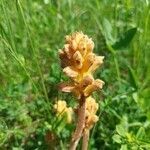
x,y
124,147
135,97
144,101
133,78
121,130
124,40
107,30
141,133
116,138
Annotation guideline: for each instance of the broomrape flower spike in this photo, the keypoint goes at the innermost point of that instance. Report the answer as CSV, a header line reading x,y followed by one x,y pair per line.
x,y
79,63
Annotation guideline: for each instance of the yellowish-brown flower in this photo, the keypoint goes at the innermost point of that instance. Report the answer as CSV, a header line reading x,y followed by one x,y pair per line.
x,y
62,109
91,109
79,63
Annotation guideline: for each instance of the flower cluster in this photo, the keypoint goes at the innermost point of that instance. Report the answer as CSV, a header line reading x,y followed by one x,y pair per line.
x,y
62,109
91,109
79,63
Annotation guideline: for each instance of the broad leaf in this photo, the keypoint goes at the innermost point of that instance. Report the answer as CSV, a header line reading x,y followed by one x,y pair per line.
x,y
125,39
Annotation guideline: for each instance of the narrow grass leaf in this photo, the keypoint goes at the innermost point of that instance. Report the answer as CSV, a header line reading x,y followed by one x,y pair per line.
x,y
133,77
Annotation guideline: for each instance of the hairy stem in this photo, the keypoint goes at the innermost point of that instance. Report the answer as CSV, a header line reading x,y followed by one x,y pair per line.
x,y
80,124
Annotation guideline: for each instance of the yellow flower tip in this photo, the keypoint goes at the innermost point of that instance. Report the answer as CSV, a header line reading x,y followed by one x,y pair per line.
x,y
69,112
91,109
60,106
96,62
70,72
78,59
91,105
96,84
61,109
95,118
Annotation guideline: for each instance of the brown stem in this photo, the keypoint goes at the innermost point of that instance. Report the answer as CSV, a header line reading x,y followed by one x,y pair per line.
x,y
85,141
80,124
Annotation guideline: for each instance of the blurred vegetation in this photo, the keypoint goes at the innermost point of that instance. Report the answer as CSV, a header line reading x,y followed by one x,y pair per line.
x,y
32,31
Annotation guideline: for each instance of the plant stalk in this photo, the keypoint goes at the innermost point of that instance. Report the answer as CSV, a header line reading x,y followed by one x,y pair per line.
x,y
85,141
80,124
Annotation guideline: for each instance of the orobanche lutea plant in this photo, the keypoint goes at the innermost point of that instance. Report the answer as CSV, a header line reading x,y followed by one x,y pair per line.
x,y
79,63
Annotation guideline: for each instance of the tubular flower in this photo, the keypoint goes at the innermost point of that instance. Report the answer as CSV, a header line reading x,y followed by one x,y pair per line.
x,y
91,109
62,109
79,63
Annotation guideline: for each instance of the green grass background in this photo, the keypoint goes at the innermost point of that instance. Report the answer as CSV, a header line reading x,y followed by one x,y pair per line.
x,y
32,31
